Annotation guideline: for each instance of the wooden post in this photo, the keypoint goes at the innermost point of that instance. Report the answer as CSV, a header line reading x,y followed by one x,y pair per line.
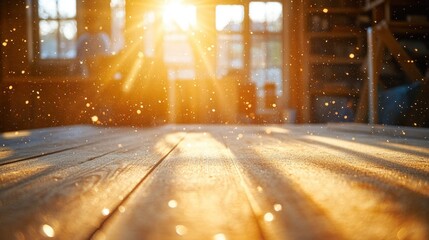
x,y
372,78
305,95
362,110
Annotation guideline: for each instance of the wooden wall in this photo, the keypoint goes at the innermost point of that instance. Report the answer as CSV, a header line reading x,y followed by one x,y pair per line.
x,y
32,98
63,98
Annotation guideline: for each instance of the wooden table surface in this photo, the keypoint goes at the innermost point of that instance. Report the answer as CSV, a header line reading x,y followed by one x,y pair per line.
x,y
212,182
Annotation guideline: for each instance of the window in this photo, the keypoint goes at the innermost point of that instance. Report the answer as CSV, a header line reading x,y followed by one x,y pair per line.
x,y
150,36
57,29
229,25
179,21
266,45
118,25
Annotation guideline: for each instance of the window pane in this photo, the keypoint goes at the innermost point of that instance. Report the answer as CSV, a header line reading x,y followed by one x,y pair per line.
x,y
258,76
48,9
266,60
181,72
179,56
229,53
68,32
257,16
261,76
266,16
275,53
118,24
258,63
179,17
149,33
67,8
229,18
117,3
48,39
274,16
178,49
258,52
274,75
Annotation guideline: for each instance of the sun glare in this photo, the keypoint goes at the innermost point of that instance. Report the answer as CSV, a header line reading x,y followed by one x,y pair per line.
x,y
178,15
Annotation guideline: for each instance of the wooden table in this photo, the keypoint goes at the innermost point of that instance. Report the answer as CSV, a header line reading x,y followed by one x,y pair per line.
x,y
213,182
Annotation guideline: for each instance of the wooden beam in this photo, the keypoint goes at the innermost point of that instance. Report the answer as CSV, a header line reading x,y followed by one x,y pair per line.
x,y
372,78
398,52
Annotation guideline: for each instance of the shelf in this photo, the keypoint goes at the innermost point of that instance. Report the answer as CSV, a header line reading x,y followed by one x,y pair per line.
x,y
332,33
337,34
375,3
339,91
409,27
335,10
333,60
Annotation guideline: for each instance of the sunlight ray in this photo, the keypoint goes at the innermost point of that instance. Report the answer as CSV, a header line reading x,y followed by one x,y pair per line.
x,y
131,77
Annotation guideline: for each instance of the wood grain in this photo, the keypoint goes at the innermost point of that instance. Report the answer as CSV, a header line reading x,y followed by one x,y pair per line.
x,y
22,145
195,194
340,185
74,200
218,182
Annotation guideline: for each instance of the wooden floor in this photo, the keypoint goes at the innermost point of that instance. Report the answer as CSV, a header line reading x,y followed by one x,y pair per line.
x,y
213,182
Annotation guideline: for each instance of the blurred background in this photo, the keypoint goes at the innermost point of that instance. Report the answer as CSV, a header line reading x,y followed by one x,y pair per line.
x,y
144,63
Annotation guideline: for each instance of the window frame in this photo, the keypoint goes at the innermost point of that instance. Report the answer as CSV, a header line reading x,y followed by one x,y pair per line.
x,y
248,34
227,34
266,36
43,66
175,69
115,46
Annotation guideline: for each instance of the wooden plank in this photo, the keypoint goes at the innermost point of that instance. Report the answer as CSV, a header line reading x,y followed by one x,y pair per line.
x,y
282,209
324,188
19,173
227,182
28,138
195,194
394,131
391,153
22,145
88,191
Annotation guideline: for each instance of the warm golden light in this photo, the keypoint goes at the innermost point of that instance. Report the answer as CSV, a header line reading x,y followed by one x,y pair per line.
x,y
5,152
270,130
16,134
219,236
176,14
94,119
172,203
181,230
105,211
278,207
48,231
268,217
129,81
